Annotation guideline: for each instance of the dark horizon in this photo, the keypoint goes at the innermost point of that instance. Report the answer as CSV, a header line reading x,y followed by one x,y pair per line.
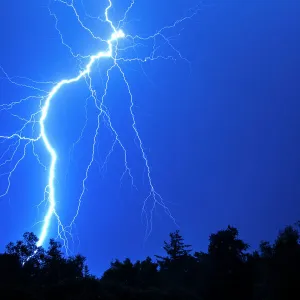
x,y
226,269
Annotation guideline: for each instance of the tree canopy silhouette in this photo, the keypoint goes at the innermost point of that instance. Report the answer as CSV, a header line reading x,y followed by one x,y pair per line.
x,y
226,271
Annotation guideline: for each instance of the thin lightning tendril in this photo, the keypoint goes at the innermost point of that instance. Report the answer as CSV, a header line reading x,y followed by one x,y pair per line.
x,y
11,157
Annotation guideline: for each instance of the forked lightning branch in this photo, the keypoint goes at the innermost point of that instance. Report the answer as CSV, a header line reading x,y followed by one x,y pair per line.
x,y
19,143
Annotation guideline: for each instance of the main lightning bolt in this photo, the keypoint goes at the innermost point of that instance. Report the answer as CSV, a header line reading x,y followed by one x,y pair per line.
x,y
113,52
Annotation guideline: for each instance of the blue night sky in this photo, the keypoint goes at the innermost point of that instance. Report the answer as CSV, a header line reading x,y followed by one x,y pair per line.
x,y
221,134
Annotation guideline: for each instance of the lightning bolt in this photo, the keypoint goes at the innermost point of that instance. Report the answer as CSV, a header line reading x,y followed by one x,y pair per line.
x,y
12,156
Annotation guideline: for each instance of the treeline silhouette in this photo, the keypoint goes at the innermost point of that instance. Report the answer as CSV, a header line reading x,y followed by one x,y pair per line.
x,y
226,271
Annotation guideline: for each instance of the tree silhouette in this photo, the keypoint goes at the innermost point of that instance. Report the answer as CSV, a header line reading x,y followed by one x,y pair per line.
x,y
228,268
281,263
225,271
176,249
25,248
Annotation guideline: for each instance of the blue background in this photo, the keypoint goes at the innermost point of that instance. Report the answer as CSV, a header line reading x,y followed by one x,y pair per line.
x,y
222,137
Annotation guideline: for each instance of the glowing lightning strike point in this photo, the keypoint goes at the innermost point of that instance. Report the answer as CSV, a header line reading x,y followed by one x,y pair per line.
x,y
52,203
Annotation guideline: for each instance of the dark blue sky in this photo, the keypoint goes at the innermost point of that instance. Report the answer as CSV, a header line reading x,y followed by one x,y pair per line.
x,y
222,138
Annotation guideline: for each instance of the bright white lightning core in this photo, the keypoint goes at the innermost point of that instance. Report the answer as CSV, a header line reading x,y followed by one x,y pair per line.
x,y
112,52
117,34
